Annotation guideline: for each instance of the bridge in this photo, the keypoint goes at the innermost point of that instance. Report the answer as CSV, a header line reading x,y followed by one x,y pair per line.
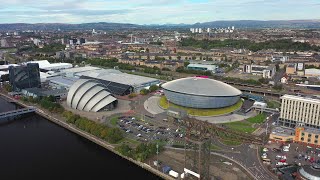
x,y
262,109
14,113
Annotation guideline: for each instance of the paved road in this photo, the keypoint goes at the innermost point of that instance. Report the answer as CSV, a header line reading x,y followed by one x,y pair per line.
x,y
226,118
248,158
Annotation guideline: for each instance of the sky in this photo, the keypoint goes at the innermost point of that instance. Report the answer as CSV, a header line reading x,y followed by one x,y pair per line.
x,y
154,11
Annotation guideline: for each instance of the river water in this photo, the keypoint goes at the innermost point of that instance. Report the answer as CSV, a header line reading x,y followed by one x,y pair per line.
x,y
34,148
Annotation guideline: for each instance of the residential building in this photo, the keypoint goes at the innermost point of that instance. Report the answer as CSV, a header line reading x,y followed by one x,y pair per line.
x,y
291,69
300,110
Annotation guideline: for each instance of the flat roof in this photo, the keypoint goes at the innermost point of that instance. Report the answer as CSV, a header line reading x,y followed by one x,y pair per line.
x,y
66,81
311,99
202,65
118,77
283,131
79,69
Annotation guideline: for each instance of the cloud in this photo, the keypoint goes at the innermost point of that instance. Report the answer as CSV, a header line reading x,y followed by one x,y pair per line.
x,y
151,12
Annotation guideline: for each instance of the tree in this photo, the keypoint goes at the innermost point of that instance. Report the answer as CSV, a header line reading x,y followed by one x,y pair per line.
x,y
144,91
186,63
153,88
179,57
277,67
170,57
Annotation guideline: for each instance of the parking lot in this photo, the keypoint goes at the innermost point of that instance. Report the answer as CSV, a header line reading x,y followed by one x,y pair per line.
x,y
289,154
147,131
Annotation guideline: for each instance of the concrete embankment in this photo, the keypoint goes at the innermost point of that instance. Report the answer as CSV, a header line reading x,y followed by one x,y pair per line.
x,y
90,137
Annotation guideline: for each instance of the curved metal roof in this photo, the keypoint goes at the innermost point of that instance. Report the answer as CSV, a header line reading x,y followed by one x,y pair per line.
x,y
310,172
89,95
201,86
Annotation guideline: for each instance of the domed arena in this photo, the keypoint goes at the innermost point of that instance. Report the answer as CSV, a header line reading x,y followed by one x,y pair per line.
x,y
201,93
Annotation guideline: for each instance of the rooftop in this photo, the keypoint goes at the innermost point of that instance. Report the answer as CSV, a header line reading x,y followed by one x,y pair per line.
x,y
80,69
201,86
311,99
117,76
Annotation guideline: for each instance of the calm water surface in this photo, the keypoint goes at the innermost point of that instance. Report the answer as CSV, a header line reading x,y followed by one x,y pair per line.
x,y
34,148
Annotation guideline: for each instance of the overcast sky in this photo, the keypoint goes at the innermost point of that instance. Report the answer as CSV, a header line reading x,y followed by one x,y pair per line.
x,y
154,11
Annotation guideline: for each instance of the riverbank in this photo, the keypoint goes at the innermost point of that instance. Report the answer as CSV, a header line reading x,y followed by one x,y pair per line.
x,y
88,136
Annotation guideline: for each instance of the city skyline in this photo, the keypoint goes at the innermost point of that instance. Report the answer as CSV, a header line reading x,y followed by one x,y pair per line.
x,y
159,12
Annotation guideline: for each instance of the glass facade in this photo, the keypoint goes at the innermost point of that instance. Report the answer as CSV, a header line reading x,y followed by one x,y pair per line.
x,y
22,77
201,102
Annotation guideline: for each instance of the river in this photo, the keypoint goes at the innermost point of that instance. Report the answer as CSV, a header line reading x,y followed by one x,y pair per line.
x,y
35,148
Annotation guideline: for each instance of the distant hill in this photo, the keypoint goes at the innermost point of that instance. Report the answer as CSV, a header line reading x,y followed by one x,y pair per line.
x,y
62,26
308,24
263,24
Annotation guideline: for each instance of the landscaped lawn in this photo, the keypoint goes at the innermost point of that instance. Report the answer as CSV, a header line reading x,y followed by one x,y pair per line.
x,y
241,126
246,125
231,142
273,104
258,118
201,112
114,120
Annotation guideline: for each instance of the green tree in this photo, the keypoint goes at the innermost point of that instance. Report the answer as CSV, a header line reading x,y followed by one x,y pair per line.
x,y
153,88
144,91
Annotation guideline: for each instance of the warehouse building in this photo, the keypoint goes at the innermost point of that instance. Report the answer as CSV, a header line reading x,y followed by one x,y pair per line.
x,y
119,83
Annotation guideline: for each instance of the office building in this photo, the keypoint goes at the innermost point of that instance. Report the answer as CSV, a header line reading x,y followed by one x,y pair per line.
x,y
25,76
264,71
280,59
300,110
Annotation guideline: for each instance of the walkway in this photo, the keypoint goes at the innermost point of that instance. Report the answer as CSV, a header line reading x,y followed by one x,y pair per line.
x,y
225,118
152,105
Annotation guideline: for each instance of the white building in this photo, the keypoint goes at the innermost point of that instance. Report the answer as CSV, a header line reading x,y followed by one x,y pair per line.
x,y
312,72
46,65
281,59
300,110
264,71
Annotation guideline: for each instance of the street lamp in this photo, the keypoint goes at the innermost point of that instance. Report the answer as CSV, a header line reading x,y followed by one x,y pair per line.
x,y
157,156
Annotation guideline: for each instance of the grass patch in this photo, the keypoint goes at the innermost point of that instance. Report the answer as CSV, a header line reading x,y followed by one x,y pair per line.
x,y
129,141
114,120
273,104
240,126
246,126
258,118
201,112
214,147
231,142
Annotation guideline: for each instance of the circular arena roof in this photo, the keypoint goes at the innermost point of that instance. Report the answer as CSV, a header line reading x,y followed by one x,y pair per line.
x,y
88,95
201,87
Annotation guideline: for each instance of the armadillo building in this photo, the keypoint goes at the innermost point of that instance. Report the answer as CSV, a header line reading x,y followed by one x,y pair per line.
x,y
202,93
91,96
